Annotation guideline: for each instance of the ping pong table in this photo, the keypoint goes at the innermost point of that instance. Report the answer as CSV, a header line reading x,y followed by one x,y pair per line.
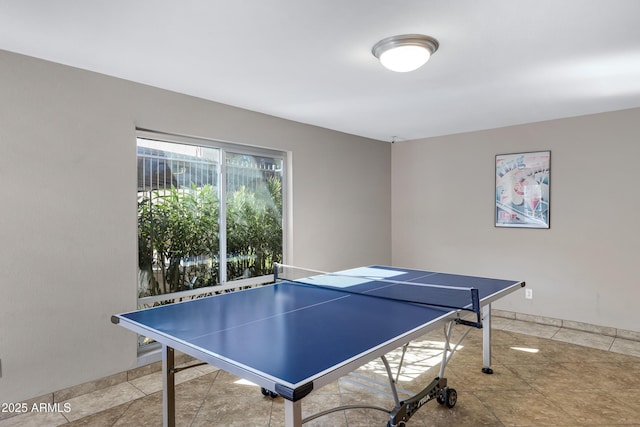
x,y
297,335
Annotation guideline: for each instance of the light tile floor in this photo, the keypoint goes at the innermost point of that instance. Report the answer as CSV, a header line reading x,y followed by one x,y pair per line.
x,y
544,376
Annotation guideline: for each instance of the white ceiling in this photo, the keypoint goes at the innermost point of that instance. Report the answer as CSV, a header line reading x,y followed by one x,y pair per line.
x,y
500,62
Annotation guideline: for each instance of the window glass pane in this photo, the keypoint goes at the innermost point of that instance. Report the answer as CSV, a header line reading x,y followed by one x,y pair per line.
x,y
178,217
254,214
183,252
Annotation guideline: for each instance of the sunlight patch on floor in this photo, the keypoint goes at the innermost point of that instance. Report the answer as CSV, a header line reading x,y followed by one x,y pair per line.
x,y
420,357
245,382
525,349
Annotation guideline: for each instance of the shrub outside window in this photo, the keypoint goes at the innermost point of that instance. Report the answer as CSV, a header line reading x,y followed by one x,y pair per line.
x,y
210,218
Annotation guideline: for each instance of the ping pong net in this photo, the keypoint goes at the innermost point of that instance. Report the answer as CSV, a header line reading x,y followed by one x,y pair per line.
x,y
384,283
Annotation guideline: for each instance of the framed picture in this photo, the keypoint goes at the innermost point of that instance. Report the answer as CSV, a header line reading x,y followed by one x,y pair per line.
x,y
522,189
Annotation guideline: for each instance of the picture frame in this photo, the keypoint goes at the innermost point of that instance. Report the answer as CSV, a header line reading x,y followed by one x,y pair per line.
x,y
523,190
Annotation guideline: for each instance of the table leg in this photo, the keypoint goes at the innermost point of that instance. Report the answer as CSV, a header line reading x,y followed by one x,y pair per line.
x,y
168,387
486,339
292,413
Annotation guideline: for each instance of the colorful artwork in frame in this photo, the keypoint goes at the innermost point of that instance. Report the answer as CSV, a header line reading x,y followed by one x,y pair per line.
x,y
522,189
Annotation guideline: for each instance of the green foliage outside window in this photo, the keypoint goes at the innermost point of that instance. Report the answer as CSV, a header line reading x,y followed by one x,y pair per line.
x,y
254,230
178,236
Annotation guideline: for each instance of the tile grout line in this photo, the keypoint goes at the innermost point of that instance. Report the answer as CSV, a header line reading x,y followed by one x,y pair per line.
x,y
195,416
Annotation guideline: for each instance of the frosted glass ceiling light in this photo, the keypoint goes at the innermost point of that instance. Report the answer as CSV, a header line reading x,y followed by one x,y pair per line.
x,y
405,53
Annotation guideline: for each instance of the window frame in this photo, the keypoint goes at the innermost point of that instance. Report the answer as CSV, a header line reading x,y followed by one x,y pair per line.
x,y
151,354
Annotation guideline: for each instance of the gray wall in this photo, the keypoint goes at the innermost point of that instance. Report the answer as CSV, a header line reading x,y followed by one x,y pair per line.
x,y
68,218
584,268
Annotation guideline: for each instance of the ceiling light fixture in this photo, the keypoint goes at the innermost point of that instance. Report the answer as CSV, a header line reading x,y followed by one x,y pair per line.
x,y
406,52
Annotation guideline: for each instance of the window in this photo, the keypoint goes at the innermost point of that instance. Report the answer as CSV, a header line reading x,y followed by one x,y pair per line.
x,y
253,214
210,217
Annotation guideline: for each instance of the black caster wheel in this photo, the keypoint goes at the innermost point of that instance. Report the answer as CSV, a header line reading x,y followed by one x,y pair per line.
x,y
400,424
269,393
451,397
441,398
487,371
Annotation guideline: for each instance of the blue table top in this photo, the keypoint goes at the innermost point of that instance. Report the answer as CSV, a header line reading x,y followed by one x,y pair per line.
x,y
292,333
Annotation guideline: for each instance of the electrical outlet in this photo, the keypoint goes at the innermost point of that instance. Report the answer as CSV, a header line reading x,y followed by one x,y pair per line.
x,y
528,293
